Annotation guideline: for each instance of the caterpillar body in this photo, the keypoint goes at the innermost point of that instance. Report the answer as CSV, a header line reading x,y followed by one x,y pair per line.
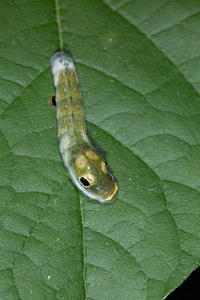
x,y
86,167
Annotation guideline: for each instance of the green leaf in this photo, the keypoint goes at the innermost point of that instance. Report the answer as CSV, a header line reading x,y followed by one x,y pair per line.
x,y
138,64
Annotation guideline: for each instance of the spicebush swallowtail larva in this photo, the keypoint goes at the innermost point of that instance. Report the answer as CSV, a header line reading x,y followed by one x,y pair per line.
x,y
86,167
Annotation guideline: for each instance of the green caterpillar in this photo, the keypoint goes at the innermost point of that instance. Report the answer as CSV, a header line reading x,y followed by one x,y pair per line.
x,y
86,167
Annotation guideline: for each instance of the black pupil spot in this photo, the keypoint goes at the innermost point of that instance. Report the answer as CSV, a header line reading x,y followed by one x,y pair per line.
x,y
106,163
84,181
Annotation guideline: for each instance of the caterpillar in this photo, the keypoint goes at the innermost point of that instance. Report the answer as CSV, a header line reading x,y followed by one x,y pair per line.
x,y
86,167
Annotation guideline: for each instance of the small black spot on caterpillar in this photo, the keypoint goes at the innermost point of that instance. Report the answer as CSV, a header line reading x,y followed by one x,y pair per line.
x,y
53,101
84,182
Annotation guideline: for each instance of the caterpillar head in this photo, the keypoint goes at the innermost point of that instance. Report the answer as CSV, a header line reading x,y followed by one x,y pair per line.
x,y
91,175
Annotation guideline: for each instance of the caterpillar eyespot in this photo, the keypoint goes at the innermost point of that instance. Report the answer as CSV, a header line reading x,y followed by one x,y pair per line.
x,y
84,182
86,167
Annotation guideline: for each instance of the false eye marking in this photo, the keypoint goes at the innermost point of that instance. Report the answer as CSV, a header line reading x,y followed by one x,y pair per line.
x,y
91,154
84,182
87,180
104,167
81,162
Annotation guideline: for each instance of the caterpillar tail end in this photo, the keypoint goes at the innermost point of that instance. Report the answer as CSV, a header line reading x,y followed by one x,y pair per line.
x,y
60,61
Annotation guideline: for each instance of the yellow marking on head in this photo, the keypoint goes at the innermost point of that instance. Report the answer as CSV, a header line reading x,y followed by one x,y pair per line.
x,y
111,196
103,167
80,162
91,154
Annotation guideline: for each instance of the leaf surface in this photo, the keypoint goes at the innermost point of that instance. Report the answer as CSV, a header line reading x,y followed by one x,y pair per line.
x,y
138,65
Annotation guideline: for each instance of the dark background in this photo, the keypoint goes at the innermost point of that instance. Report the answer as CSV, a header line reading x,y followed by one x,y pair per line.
x,y
189,289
